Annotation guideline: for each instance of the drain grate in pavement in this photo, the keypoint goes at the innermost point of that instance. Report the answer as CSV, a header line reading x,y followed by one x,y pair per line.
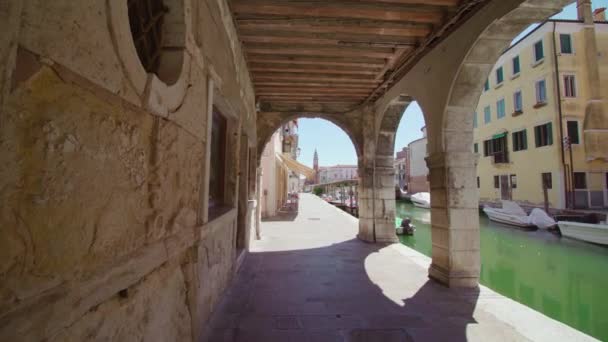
x,y
314,219
388,335
286,323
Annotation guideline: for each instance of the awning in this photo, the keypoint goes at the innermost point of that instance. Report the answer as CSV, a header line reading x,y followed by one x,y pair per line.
x,y
295,166
499,135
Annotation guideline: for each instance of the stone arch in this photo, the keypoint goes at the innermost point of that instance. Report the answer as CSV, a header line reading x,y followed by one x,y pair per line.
x,y
447,84
268,123
466,89
162,92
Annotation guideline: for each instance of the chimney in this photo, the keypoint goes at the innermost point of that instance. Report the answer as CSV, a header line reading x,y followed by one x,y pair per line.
x,y
599,14
584,11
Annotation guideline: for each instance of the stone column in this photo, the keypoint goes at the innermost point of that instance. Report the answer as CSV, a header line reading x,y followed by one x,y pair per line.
x,y
376,187
454,219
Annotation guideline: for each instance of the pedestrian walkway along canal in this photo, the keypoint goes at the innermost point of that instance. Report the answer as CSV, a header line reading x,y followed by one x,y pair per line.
x,y
311,279
563,278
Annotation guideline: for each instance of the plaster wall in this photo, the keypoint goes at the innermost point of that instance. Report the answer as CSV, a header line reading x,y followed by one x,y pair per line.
x,y
528,164
102,175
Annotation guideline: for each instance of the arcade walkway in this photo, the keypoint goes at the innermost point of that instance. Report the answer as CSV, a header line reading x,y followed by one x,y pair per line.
x,y
310,279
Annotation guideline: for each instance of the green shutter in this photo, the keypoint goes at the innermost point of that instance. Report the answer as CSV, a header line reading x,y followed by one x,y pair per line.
x,y
537,136
549,134
524,140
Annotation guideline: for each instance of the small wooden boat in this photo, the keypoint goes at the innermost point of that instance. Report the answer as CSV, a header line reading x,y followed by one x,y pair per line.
x,y
511,213
404,226
590,232
421,200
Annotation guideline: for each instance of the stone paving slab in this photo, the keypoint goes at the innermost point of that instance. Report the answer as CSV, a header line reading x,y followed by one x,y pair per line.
x,y
310,279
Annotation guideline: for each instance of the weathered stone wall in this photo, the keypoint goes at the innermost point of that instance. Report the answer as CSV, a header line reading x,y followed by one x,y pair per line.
x,y
101,168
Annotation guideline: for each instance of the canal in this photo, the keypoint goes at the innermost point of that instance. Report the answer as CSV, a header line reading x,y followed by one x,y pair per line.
x,y
563,278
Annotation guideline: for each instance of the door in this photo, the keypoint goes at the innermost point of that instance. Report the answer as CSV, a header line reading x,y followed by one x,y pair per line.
x,y
505,189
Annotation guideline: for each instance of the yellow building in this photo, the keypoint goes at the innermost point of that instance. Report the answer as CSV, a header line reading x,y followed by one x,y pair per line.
x,y
534,100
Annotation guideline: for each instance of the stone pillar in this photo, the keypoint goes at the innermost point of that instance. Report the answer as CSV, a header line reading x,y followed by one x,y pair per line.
x,y
384,202
454,219
376,187
258,208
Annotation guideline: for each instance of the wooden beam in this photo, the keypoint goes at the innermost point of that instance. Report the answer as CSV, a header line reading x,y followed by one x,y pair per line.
x,y
311,38
308,86
310,91
447,3
321,77
321,50
335,10
263,68
363,63
355,27
299,84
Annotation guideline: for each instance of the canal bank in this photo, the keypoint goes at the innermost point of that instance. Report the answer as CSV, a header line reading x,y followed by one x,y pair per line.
x,y
310,279
563,278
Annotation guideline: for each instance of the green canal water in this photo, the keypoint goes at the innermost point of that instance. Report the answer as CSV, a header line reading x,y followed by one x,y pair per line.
x,y
563,278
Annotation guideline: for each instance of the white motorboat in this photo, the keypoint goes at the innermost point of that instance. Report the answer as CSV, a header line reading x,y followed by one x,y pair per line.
x,y
511,213
595,233
421,200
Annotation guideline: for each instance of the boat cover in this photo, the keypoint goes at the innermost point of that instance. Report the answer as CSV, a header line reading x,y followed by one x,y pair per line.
x,y
513,208
539,218
422,197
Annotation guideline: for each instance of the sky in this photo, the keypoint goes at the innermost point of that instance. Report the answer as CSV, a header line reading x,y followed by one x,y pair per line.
x,y
334,146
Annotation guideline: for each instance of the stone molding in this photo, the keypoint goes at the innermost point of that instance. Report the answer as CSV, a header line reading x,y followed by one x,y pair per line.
x,y
156,96
69,301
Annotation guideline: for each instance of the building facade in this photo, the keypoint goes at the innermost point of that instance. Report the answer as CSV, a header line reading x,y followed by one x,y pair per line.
x,y
530,120
418,180
401,166
278,180
329,174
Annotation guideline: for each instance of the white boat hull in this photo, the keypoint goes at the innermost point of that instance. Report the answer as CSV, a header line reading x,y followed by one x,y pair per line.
x,y
421,200
422,204
595,233
506,218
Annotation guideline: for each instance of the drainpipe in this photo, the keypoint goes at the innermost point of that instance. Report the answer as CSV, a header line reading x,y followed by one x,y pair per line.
x,y
560,116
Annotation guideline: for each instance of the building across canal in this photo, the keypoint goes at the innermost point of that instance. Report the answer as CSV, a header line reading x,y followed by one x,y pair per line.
x,y
564,279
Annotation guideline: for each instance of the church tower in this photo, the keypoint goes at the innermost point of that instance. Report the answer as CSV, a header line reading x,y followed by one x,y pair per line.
x,y
315,166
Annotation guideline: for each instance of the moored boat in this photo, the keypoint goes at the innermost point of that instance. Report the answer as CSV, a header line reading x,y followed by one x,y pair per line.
x,y
421,200
589,232
511,213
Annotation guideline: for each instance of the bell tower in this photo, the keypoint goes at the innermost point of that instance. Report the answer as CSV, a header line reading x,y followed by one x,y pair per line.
x,y
315,166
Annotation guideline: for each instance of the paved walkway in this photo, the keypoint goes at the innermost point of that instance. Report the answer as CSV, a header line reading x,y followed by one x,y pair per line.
x,y
310,279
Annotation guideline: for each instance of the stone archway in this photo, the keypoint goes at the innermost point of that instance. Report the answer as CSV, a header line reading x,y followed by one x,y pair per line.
x,y
447,83
269,122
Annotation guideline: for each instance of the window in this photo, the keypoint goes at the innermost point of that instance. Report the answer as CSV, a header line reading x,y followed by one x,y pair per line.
x,y
474,120
157,29
518,103
580,180
539,53
497,147
543,135
500,109
487,114
486,86
520,141
477,182
499,76
572,127
541,92
546,179
513,181
516,66
565,41
569,86
496,182
218,161
475,148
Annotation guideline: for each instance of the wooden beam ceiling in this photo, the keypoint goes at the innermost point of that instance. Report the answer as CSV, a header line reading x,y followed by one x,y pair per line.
x,y
333,51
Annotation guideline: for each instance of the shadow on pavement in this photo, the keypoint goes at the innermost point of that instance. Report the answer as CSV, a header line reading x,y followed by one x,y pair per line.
x,y
330,294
